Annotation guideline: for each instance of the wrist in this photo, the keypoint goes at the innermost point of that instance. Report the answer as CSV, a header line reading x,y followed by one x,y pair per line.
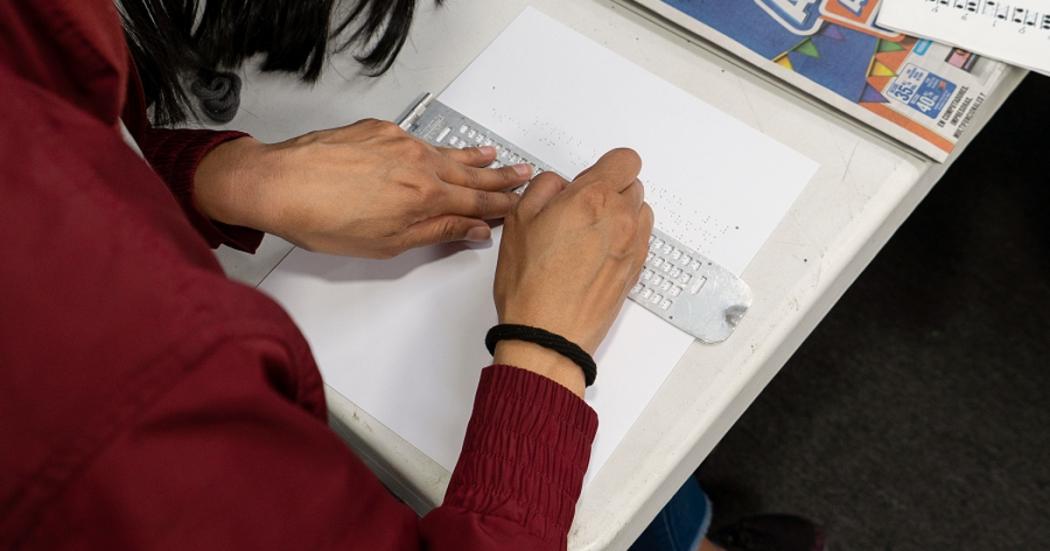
x,y
541,361
226,184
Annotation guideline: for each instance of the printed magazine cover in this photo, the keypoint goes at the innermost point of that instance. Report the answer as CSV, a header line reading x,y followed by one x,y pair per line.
x,y
920,92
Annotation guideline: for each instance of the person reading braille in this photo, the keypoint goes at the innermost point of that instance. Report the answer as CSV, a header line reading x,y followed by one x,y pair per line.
x,y
150,402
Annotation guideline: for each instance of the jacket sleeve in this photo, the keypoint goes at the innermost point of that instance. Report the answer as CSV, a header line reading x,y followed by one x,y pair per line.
x,y
521,469
226,459
175,153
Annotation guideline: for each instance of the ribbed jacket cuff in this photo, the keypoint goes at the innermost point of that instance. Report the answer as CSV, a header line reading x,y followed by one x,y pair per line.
x,y
175,155
525,453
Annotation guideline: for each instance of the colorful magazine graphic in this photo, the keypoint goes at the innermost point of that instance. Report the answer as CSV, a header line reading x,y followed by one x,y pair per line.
x,y
919,92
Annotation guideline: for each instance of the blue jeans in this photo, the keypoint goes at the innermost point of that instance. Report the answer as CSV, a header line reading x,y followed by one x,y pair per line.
x,y
681,524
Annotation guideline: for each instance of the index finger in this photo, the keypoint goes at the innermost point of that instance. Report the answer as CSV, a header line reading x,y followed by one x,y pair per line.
x,y
614,171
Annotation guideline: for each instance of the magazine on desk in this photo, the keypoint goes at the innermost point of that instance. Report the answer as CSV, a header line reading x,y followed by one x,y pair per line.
x,y
922,93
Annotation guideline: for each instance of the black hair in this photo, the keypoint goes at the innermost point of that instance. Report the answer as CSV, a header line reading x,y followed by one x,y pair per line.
x,y
172,41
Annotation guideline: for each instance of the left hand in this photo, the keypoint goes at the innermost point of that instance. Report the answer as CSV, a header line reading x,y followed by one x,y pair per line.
x,y
368,189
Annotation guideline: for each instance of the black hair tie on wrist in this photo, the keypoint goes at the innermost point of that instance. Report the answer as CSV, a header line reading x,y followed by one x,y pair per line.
x,y
546,339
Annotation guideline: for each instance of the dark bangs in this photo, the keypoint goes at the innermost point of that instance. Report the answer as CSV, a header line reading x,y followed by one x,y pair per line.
x,y
173,41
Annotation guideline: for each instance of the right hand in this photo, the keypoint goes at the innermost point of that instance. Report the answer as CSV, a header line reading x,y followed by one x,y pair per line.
x,y
568,258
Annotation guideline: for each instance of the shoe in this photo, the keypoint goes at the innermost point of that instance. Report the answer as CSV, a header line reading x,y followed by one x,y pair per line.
x,y
770,533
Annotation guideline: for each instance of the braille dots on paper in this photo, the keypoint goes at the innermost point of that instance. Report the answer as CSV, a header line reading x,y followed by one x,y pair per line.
x,y
690,224
553,138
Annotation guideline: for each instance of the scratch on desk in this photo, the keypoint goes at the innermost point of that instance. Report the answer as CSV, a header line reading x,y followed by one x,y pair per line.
x,y
750,107
831,128
849,162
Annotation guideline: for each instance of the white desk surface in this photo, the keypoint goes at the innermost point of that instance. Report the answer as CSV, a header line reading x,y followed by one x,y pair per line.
x,y
865,188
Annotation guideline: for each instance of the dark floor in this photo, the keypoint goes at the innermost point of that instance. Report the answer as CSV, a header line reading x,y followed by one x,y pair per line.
x,y
916,416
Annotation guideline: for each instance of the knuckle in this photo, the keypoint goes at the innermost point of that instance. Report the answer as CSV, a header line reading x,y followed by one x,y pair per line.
x,y
507,202
383,127
507,174
648,218
418,196
482,202
626,222
413,150
595,200
473,177
640,187
516,213
448,230
626,232
429,193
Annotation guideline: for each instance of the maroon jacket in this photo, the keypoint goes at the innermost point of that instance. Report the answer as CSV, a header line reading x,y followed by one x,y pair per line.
x,y
146,401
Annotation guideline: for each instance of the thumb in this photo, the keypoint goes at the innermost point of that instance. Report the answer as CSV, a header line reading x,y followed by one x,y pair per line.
x,y
446,228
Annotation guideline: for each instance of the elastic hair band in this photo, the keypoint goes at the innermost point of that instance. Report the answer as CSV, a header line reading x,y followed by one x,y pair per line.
x,y
546,339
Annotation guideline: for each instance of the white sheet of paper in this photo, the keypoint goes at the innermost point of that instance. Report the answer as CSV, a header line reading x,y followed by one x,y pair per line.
x,y
717,185
402,338
1014,31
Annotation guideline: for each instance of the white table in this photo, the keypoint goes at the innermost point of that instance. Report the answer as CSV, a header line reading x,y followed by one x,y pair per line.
x,y
866,186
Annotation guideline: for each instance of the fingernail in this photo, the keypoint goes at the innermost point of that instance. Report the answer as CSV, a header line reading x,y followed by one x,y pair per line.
x,y
487,151
479,233
523,169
